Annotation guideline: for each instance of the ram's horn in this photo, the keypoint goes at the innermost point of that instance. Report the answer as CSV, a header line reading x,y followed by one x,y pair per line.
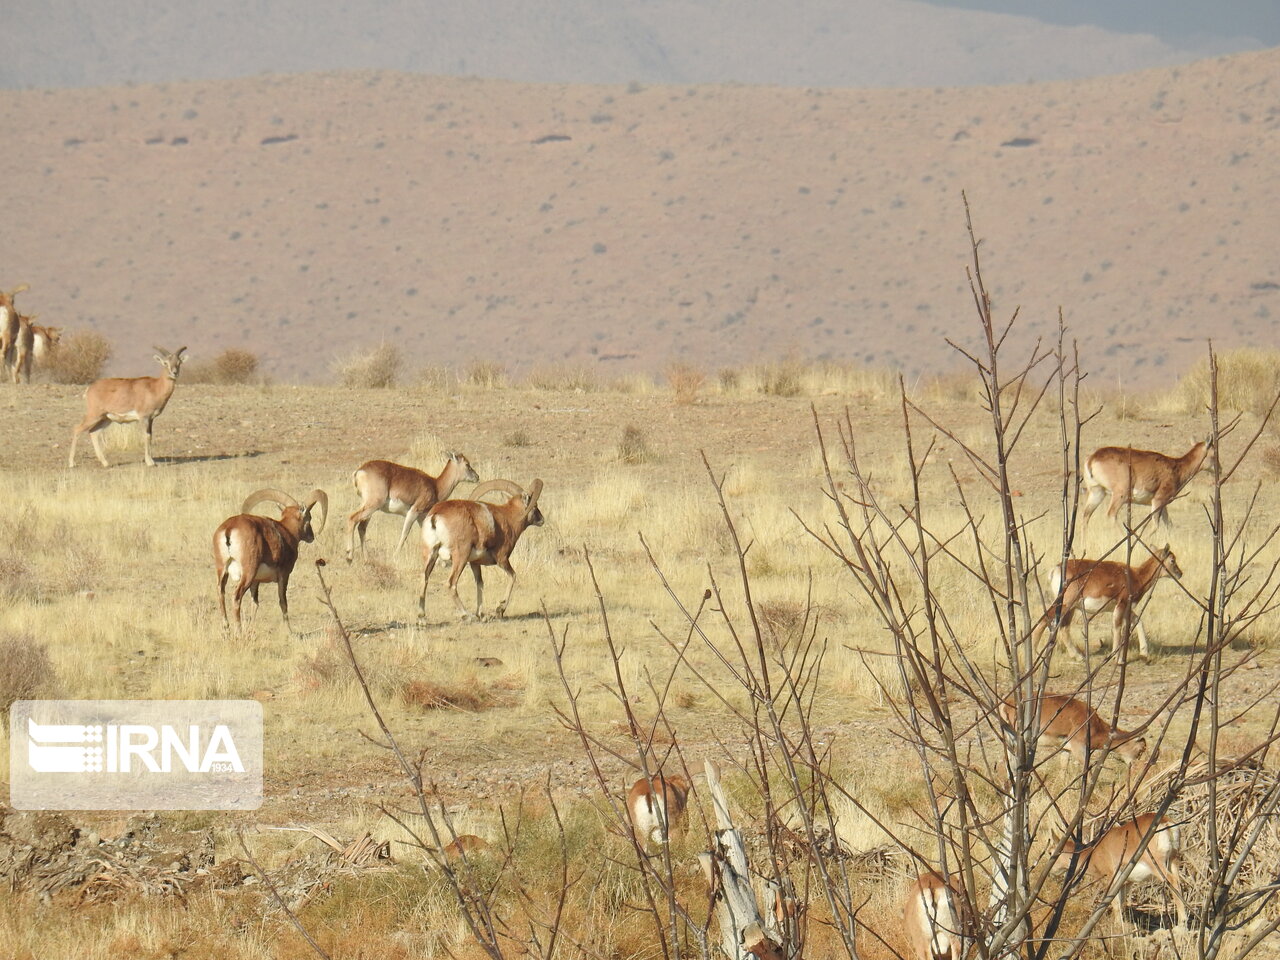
x,y
267,493
509,487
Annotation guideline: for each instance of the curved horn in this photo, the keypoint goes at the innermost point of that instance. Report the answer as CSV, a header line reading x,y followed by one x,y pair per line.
x,y
535,489
322,498
510,488
267,493
20,288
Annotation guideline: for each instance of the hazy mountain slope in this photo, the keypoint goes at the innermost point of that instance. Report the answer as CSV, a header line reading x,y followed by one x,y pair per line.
x,y
304,216
835,43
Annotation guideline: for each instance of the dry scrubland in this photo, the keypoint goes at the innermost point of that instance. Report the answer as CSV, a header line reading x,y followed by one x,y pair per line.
x,y
620,226
110,572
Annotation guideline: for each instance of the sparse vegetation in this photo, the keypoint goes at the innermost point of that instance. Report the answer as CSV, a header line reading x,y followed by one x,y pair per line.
x,y
80,357
374,369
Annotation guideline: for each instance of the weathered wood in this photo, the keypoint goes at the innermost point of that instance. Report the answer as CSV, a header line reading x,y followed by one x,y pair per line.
x,y
727,873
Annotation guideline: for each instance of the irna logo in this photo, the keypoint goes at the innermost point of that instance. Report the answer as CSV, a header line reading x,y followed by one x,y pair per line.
x,y
135,755
124,748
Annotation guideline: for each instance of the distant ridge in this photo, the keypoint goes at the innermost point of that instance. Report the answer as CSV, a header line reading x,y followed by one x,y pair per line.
x,y
827,43
304,216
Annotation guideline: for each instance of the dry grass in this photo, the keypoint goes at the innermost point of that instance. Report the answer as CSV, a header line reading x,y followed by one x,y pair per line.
x,y
378,368
80,357
152,628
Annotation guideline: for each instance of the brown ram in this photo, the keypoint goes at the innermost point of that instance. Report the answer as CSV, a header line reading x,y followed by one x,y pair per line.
x,y
253,550
479,534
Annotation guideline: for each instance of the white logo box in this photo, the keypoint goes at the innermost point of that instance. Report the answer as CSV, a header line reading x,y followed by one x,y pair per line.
x,y
135,755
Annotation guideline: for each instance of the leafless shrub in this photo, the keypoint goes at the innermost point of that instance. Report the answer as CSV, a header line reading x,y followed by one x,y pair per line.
x,y
80,358
518,438
685,380
633,446
374,369
730,379
26,672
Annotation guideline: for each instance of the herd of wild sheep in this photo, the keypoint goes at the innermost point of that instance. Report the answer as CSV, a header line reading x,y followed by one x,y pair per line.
x,y
251,550
22,340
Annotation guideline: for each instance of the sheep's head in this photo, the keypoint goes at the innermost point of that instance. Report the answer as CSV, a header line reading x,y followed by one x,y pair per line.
x,y
310,529
531,516
469,474
172,362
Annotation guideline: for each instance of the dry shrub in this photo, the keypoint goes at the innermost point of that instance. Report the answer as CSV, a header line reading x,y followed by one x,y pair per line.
x,y
633,446
730,380
685,380
1248,381
232,366
374,370
430,695
80,358
518,438
571,378
26,672
485,374
782,378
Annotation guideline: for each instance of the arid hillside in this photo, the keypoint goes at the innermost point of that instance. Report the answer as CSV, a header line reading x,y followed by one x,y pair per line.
x,y
302,217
